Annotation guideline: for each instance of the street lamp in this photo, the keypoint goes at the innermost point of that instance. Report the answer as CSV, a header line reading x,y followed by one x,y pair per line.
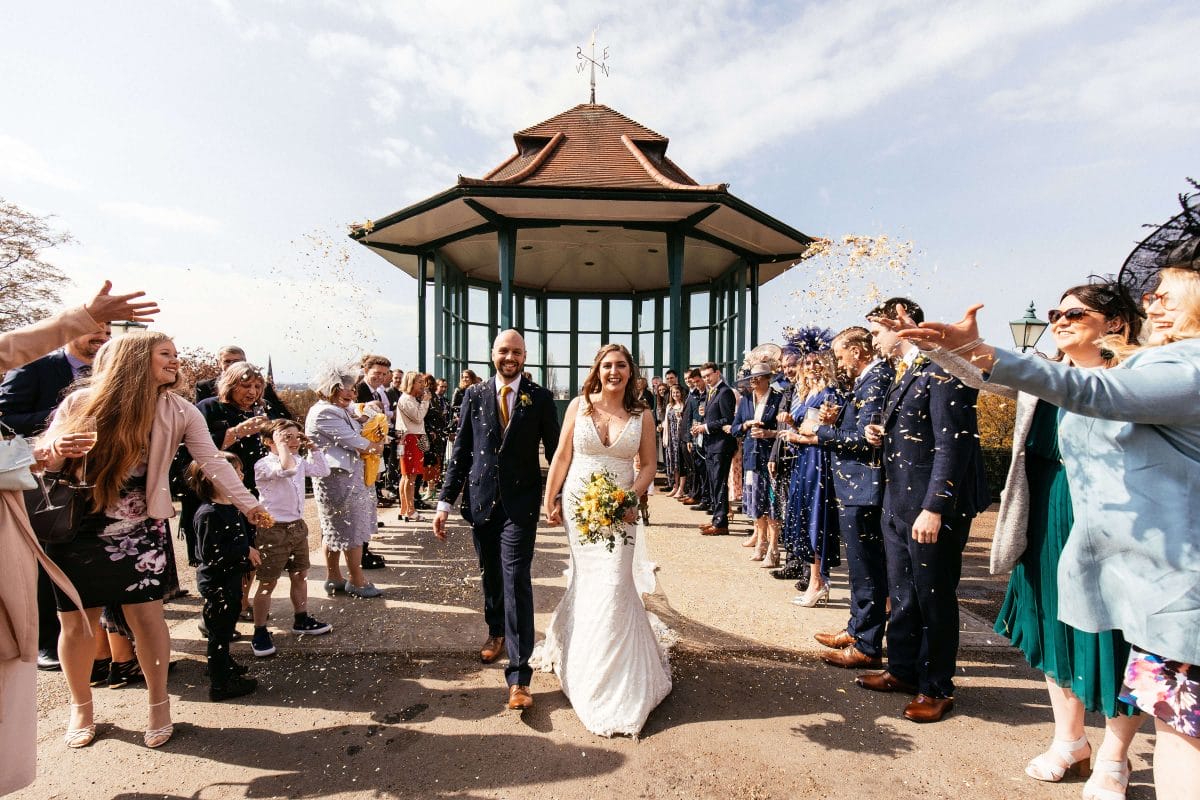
x,y
1028,329
122,327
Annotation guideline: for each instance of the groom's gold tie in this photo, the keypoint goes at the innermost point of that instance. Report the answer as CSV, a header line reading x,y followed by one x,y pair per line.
x,y
504,392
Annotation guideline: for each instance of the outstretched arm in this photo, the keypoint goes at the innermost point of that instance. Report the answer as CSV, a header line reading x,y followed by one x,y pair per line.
x,y
557,475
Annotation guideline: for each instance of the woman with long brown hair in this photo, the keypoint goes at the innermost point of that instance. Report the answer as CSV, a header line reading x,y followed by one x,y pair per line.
x,y
118,554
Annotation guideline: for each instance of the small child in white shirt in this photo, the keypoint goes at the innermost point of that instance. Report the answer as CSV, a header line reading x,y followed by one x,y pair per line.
x,y
279,477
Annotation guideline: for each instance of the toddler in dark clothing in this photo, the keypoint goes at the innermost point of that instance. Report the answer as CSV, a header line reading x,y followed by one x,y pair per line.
x,y
225,546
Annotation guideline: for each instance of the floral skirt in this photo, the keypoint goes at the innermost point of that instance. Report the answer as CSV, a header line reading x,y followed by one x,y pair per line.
x,y
1170,690
114,562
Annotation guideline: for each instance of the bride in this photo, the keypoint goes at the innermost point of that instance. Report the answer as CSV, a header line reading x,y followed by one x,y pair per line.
x,y
602,643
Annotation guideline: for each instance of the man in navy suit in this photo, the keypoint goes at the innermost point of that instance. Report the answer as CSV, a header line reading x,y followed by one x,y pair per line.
x,y
696,495
497,466
27,396
858,490
934,487
719,406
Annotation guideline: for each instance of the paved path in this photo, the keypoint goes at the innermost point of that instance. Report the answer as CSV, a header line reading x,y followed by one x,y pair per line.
x,y
395,704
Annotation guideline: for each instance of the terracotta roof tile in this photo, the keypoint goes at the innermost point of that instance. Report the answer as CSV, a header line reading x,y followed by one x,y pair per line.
x,y
590,146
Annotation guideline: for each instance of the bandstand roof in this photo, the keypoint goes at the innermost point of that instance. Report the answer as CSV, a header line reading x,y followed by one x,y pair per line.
x,y
591,194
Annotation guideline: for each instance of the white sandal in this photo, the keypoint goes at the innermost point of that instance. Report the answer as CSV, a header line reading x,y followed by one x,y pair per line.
x,y
1093,790
159,736
1048,769
80,737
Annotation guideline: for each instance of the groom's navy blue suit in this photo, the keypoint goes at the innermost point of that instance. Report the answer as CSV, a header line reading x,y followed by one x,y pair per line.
x,y
499,473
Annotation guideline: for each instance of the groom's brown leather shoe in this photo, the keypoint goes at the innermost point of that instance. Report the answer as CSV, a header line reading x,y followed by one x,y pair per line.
x,y
835,640
712,530
519,698
851,657
884,682
928,709
491,649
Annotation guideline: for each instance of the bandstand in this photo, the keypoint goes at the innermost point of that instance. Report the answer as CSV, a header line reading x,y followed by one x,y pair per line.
x,y
587,234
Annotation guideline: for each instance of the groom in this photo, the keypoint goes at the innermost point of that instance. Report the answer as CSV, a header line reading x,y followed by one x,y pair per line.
x,y
496,465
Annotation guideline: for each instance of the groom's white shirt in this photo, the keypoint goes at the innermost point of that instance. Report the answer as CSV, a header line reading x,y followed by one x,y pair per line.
x,y
511,401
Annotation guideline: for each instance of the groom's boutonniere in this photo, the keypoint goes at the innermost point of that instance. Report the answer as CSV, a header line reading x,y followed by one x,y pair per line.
x,y
524,399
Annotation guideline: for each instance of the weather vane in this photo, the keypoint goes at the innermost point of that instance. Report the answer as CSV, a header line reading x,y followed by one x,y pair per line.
x,y
585,60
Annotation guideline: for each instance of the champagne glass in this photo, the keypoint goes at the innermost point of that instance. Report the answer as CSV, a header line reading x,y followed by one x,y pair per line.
x,y
876,421
39,472
88,426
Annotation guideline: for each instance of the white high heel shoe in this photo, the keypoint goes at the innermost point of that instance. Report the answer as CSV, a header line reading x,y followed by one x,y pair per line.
x,y
80,737
811,599
1053,765
1092,790
159,736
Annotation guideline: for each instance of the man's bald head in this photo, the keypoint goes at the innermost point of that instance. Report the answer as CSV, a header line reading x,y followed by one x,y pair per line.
x,y
508,354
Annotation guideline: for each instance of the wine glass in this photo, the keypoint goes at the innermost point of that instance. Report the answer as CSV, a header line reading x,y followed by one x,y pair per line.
x,y
87,427
876,421
39,471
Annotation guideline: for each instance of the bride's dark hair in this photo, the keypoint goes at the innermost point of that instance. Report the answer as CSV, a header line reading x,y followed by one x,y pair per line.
x,y
592,384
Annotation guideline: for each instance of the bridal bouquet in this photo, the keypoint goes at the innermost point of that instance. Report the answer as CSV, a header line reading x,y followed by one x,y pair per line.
x,y
600,510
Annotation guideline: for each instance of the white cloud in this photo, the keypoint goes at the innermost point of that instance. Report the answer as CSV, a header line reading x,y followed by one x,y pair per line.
x,y
20,161
1115,82
175,219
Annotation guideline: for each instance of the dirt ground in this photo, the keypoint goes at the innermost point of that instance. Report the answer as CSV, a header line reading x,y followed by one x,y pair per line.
x,y
394,702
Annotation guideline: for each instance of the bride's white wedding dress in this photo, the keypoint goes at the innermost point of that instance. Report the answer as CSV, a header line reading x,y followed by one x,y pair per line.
x,y
609,653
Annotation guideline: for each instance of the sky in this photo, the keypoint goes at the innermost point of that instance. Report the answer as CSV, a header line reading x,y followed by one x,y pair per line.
x,y
213,152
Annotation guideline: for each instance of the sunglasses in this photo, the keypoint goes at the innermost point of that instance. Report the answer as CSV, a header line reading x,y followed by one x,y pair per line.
x,y
1150,298
1070,315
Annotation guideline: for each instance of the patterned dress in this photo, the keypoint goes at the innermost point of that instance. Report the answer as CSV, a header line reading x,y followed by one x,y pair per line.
x,y
810,528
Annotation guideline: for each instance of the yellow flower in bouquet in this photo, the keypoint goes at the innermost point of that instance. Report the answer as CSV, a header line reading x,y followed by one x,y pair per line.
x,y
600,511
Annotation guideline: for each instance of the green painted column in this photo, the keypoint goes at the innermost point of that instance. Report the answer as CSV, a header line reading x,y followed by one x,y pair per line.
x,y
422,316
754,338
506,240
678,328
740,348
439,327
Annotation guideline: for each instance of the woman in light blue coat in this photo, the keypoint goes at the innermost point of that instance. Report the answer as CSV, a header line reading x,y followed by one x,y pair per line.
x,y
1131,447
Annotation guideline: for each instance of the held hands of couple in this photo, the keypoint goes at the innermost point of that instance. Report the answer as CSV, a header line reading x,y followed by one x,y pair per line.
x,y
553,513
255,558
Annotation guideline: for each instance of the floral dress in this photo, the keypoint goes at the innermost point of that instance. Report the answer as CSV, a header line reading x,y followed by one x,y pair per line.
x,y
119,555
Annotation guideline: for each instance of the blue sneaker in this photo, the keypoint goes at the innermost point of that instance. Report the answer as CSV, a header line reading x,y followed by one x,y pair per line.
x,y
261,644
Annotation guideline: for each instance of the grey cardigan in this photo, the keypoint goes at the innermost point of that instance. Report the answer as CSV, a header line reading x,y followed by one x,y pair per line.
x,y
1012,522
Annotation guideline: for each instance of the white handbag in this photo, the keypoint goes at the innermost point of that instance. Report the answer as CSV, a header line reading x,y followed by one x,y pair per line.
x,y
16,457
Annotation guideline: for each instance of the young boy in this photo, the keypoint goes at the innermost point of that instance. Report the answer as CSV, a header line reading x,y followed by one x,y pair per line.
x,y
225,546
279,477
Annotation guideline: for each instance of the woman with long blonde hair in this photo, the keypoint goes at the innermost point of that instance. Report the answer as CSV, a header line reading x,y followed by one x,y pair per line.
x,y
118,553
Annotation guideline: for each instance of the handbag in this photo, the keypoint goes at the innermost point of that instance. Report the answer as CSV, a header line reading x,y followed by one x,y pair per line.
x,y
58,522
16,457
422,443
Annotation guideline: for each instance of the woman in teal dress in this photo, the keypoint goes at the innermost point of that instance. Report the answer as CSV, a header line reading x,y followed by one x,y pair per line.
x,y
1083,670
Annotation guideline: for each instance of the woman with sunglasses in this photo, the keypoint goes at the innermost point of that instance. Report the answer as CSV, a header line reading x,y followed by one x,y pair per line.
x,y
1130,442
1083,670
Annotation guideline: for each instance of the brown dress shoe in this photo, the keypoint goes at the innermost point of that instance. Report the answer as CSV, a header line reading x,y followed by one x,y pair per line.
x,y
491,649
928,709
709,530
884,682
851,657
689,501
835,640
519,697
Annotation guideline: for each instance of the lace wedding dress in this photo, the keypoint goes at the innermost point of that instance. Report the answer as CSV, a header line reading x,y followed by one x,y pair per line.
x,y
609,652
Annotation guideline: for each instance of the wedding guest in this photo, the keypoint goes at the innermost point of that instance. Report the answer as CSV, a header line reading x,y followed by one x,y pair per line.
x,y
237,414
345,506
719,405
28,394
377,374
858,494
227,553
1131,432
141,424
672,436
411,408
1083,670
810,526
19,548
284,546
693,453
756,420
437,424
229,355
934,486
781,465
671,377
466,380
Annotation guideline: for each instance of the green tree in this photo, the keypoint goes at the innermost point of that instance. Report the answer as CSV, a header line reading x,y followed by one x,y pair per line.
x,y
29,285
